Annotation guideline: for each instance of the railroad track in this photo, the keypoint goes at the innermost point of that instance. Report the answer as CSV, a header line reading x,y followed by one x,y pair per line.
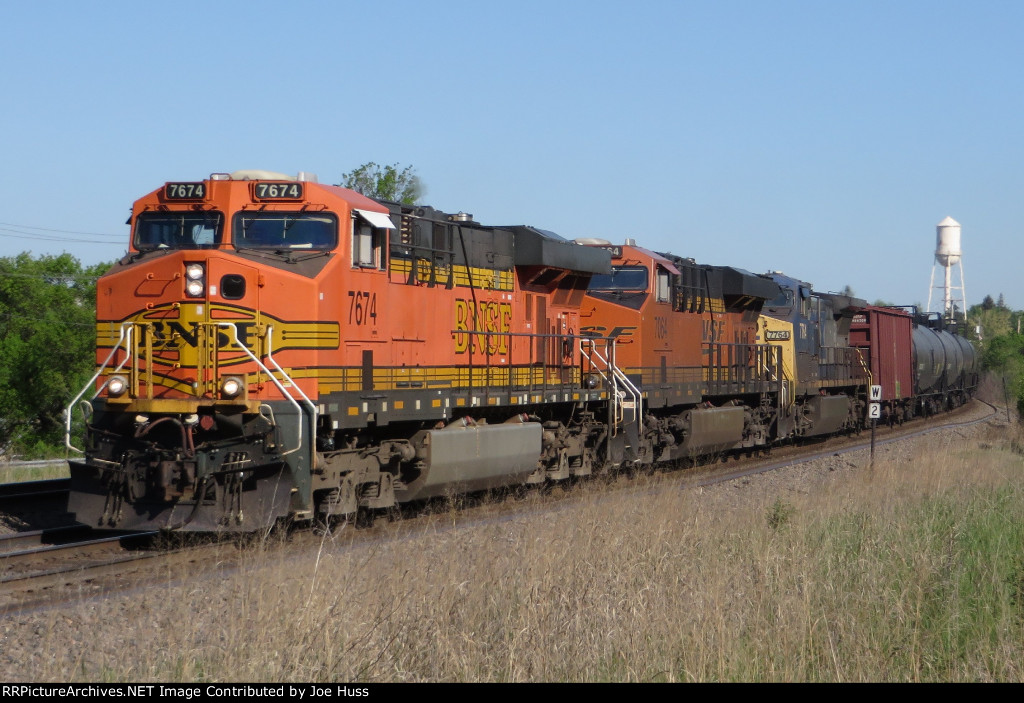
x,y
35,574
19,492
20,541
44,566
36,555
36,505
884,435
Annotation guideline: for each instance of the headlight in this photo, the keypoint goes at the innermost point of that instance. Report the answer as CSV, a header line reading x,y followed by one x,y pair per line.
x,y
117,385
195,280
231,386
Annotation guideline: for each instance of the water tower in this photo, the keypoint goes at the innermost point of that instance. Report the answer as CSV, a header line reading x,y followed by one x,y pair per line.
x,y
948,255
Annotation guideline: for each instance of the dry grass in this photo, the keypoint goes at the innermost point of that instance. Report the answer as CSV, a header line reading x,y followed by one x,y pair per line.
x,y
912,571
17,473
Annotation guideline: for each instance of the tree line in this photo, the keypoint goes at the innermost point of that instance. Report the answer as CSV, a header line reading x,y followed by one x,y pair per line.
x,y
47,347
996,330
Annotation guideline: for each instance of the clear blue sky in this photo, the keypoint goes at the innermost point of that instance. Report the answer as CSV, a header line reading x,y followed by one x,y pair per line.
x,y
822,138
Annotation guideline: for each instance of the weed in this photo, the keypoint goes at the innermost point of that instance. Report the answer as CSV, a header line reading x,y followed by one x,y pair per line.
x,y
779,514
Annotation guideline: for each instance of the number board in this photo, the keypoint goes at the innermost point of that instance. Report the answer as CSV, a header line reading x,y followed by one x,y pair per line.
x,y
266,190
185,191
874,411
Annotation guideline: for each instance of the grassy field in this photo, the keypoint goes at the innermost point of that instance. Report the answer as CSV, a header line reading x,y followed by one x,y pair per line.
x,y
17,473
910,571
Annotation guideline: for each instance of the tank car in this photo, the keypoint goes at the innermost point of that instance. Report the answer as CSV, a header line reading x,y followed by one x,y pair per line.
x,y
945,363
272,347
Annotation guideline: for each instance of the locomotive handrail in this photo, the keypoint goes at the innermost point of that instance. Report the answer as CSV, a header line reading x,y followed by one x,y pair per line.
x,y
615,379
280,386
834,361
314,412
488,353
638,399
125,335
125,339
870,377
774,366
616,376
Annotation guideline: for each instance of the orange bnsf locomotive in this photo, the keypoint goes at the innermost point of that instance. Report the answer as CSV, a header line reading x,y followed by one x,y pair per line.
x,y
272,348
277,348
685,337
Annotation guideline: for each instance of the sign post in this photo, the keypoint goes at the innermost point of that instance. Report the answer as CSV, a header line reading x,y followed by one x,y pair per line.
x,y
874,412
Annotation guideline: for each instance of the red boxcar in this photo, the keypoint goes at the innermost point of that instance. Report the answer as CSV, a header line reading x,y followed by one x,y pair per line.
x,y
884,336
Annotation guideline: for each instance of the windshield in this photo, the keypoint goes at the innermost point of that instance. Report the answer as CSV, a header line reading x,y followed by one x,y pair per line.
x,y
285,230
631,278
177,230
783,300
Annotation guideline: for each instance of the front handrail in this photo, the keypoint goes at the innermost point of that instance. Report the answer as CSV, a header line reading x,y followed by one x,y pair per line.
x,y
127,328
263,367
312,407
125,340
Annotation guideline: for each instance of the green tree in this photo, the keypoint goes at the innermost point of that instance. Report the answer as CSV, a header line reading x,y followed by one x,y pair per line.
x,y
1004,355
385,183
994,321
47,346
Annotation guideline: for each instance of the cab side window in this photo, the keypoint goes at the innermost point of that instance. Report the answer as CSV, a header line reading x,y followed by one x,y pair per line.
x,y
363,246
368,245
664,289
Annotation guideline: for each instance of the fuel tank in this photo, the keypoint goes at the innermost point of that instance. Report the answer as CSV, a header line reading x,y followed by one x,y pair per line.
x,y
465,458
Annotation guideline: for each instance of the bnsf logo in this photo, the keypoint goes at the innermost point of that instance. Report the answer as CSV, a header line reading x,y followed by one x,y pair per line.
x,y
485,325
183,340
599,331
166,331
776,335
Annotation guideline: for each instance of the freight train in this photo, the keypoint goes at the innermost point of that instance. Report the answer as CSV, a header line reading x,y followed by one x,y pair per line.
x,y
275,349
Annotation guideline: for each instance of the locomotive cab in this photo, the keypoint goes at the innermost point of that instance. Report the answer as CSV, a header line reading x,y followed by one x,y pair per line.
x,y
212,337
830,377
